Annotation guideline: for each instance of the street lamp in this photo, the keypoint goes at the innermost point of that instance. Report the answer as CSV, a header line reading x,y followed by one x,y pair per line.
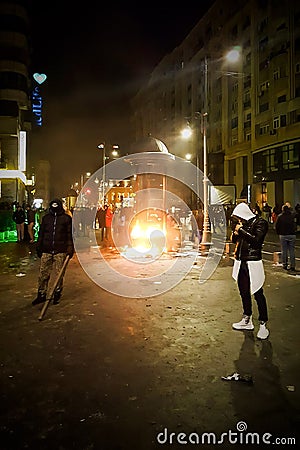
x,y
115,154
206,225
232,56
102,147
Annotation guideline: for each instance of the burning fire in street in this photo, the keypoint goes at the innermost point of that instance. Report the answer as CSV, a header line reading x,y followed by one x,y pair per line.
x,y
151,235
148,234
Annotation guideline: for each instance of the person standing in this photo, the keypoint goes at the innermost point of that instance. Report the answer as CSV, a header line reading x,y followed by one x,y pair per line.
x,y
248,235
286,229
200,222
19,219
109,214
53,245
100,217
30,223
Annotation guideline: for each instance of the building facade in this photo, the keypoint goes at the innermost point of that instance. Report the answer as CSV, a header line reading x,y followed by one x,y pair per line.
x,y
250,108
15,115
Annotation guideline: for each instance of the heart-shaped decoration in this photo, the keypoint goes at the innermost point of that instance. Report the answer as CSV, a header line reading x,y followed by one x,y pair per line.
x,y
40,77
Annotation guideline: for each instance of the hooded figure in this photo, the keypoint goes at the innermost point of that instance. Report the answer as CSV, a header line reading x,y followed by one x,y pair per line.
x,y
248,270
53,245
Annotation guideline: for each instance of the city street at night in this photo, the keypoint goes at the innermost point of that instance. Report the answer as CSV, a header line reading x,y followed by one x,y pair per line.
x,y
101,371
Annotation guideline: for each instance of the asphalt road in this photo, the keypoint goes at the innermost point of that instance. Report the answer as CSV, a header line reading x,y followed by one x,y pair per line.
x,y
102,371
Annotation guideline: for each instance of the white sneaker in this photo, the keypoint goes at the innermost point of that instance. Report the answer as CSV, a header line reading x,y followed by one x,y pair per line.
x,y
244,324
263,331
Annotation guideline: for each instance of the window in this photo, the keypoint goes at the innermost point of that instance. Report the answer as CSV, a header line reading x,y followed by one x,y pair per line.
x,y
276,74
263,24
264,129
246,96
264,107
276,122
290,156
270,157
234,122
13,80
248,137
247,82
247,100
281,99
263,43
264,86
281,27
283,120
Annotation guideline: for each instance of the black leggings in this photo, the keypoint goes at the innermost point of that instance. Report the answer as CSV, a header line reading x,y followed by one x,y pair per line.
x,y
244,288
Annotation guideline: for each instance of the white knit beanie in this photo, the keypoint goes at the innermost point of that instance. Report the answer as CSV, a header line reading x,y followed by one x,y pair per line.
x,y
243,211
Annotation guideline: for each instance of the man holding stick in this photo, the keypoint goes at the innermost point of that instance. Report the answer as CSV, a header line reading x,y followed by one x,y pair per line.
x,y
53,245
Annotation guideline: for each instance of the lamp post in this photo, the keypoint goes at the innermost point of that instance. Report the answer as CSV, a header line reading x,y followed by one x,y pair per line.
x,y
115,154
232,56
102,147
206,225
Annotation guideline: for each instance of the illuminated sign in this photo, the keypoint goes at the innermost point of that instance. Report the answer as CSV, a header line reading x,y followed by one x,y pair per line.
x,y
22,151
37,98
40,77
37,106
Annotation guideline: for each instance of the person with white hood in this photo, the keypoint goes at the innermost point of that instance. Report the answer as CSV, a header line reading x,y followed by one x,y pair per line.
x,y
248,270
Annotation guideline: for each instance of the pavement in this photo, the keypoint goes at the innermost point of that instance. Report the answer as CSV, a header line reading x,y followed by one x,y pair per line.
x,y
101,371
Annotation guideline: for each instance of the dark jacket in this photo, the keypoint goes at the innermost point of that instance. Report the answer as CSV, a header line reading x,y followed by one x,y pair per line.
x,y
19,216
30,216
101,213
55,234
249,240
285,223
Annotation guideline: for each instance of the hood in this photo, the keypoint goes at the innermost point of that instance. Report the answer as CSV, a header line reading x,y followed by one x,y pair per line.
x,y
243,211
56,206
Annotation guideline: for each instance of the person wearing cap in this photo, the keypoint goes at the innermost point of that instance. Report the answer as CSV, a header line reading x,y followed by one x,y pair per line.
x,y
248,235
54,243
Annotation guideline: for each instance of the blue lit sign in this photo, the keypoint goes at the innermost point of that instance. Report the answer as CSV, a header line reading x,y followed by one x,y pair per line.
x,y
37,98
37,106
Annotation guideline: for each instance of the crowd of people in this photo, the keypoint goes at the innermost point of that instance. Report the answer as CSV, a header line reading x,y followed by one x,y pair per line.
x,y
24,218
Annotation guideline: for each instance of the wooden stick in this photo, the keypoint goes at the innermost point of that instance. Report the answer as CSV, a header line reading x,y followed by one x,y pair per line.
x,y
58,278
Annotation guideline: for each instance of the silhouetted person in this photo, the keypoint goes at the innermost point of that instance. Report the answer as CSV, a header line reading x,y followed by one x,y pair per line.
x,y
53,245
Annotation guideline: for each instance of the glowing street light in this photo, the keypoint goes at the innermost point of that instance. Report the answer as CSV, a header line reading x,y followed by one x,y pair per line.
x,y
233,55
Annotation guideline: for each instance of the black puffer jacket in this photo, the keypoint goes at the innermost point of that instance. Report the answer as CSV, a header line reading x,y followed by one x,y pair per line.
x,y
249,240
286,223
55,235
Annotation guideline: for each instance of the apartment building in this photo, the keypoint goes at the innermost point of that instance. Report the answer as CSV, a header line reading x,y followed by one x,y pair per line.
x,y
15,113
250,109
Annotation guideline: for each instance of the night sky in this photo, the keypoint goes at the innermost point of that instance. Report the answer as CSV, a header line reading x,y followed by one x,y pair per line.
x,y
96,60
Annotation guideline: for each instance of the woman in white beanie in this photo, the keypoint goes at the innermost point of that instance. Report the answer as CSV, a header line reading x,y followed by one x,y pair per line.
x,y
248,270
